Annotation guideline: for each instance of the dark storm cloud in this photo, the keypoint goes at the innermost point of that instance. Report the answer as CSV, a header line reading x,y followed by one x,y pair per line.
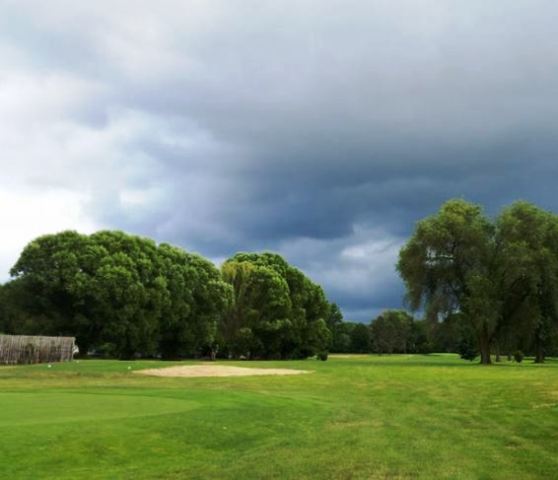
x,y
323,130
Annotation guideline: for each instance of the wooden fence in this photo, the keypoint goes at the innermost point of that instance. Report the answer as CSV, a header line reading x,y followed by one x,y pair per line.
x,y
32,349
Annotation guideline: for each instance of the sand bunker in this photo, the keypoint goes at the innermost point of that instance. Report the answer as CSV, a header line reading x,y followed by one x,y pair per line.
x,y
217,371
347,355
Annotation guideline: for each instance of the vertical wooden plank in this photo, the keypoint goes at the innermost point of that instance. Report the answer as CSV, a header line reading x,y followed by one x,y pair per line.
x,y
16,349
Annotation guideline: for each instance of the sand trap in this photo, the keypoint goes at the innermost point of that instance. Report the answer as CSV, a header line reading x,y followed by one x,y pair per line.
x,y
348,355
217,371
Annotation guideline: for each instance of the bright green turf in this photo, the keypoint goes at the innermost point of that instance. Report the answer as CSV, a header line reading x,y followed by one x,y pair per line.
x,y
364,417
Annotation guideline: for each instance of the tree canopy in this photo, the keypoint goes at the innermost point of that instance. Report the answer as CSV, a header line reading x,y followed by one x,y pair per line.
x,y
120,294
277,312
125,296
498,275
482,285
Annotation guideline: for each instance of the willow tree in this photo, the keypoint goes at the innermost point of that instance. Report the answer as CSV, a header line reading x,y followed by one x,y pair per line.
x,y
258,323
528,240
276,312
194,301
448,266
501,277
121,294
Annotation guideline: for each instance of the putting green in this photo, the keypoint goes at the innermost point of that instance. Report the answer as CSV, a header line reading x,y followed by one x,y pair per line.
x,y
61,407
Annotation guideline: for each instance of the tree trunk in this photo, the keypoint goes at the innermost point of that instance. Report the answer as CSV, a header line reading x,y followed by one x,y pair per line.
x,y
484,347
539,343
497,351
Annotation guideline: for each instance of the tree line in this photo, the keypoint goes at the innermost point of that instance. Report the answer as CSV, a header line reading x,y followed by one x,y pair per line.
x,y
483,287
393,331
478,286
126,296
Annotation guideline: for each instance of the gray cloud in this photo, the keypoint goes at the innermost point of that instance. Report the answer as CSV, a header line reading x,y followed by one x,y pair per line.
x,y
322,130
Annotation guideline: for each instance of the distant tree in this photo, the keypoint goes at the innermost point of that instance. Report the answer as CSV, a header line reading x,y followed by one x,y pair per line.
x,y
419,339
319,339
334,317
392,332
445,335
341,342
360,338
340,339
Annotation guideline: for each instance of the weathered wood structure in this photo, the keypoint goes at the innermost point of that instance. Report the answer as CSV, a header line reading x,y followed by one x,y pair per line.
x,y
15,349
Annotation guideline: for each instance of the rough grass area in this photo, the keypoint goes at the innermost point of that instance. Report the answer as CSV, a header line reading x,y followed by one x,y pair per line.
x,y
360,417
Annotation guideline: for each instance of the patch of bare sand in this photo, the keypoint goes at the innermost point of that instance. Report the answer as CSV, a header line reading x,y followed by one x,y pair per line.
x,y
348,355
217,371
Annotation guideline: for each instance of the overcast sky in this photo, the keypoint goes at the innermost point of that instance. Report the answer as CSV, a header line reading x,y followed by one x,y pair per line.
x,y
322,130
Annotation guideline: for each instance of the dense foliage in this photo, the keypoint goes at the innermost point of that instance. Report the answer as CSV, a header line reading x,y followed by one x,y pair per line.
x,y
393,331
125,296
484,286
496,279
277,312
118,294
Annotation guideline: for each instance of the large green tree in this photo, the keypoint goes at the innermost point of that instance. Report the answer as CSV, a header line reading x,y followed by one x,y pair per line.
x,y
121,294
499,276
528,240
195,301
447,266
258,323
276,312
13,316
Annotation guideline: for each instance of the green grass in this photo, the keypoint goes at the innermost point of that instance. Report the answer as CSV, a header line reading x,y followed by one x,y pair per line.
x,y
363,417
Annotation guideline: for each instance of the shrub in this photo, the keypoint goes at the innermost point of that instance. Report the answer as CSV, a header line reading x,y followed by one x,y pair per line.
x,y
467,350
518,356
322,356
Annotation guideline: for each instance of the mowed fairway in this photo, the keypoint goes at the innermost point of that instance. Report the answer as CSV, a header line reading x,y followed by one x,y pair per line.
x,y
359,417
